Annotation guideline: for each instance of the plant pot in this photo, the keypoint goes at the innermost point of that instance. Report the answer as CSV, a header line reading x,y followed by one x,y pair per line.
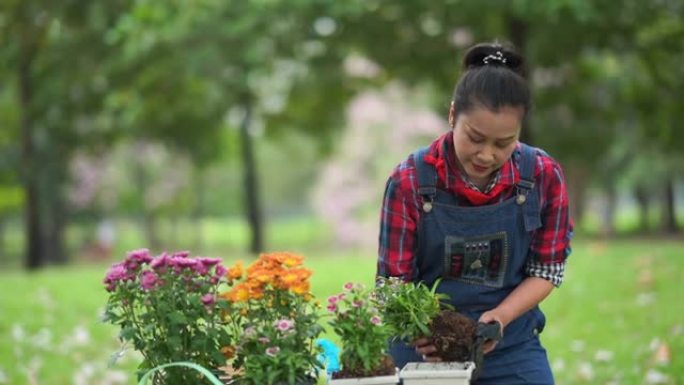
x,y
437,373
377,380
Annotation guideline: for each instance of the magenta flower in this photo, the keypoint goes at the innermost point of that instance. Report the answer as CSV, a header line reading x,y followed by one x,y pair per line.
x,y
184,263
148,280
159,263
115,274
348,286
272,351
181,254
332,308
220,271
201,269
209,261
140,256
208,299
376,320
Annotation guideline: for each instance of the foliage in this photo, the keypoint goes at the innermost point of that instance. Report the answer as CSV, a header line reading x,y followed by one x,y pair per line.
x,y
280,321
409,307
358,322
167,307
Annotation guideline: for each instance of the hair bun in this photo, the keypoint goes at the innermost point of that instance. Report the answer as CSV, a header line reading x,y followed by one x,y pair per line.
x,y
495,54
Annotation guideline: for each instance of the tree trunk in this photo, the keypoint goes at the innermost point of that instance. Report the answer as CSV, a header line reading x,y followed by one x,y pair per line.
x,y
252,201
32,217
669,214
641,196
53,231
518,32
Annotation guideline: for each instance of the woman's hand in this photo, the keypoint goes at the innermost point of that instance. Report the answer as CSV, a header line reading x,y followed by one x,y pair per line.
x,y
487,317
425,348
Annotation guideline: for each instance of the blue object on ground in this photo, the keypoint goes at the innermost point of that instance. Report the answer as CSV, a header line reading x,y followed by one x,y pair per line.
x,y
330,356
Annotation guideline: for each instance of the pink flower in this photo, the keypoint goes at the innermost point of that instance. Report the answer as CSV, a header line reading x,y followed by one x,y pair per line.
x,y
264,340
201,269
284,325
159,263
332,299
187,263
376,320
208,299
220,271
272,351
181,254
357,303
250,331
332,308
148,280
115,274
341,296
140,255
348,286
209,261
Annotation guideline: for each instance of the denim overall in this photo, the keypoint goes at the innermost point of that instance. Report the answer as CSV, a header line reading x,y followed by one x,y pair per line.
x,y
479,253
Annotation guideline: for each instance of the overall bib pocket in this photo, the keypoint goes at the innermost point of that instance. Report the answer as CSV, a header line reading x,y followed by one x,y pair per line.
x,y
479,260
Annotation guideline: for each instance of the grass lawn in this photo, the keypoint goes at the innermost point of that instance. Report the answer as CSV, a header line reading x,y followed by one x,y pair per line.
x,y
617,319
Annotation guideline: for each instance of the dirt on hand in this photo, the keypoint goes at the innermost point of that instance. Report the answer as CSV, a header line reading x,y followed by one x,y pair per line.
x,y
454,335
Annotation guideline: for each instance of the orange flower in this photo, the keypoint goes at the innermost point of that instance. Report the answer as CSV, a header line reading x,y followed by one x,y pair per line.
x,y
300,288
289,278
235,272
239,293
290,260
262,276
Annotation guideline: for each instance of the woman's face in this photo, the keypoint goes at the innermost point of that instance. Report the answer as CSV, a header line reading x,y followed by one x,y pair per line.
x,y
485,139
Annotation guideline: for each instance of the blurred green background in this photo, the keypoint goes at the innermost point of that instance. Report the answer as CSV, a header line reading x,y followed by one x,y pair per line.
x,y
228,128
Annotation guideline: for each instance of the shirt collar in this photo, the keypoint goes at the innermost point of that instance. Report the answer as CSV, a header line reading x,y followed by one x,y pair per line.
x,y
444,153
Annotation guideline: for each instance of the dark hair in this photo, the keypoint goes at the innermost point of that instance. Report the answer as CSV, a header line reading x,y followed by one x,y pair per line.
x,y
494,76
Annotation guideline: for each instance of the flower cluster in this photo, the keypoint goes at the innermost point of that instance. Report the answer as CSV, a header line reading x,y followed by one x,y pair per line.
x,y
167,307
279,321
409,307
358,322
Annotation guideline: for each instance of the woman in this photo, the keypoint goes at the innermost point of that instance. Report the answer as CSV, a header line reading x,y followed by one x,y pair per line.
x,y
484,213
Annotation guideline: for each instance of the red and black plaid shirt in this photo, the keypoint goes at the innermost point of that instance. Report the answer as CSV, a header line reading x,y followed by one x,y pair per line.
x,y
401,209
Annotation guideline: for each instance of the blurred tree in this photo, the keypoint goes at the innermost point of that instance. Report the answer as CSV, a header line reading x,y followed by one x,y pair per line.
x,y
56,112
251,53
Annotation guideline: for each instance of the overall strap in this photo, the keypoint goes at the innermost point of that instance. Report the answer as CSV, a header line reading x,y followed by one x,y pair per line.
x,y
427,179
526,185
427,189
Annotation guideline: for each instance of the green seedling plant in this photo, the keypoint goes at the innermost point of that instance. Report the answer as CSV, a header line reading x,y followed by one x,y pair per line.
x,y
409,307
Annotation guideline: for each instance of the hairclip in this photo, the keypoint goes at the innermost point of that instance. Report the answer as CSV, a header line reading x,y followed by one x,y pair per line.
x,y
497,57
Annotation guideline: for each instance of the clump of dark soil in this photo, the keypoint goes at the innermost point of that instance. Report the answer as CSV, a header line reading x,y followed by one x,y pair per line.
x,y
453,334
386,369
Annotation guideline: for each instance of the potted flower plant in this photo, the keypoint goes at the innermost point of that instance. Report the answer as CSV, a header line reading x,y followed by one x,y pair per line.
x,y
279,322
417,311
357,320
167,307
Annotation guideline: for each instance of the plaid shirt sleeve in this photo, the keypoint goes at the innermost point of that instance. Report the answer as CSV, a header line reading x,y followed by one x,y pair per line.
x,y
550,244
398,223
